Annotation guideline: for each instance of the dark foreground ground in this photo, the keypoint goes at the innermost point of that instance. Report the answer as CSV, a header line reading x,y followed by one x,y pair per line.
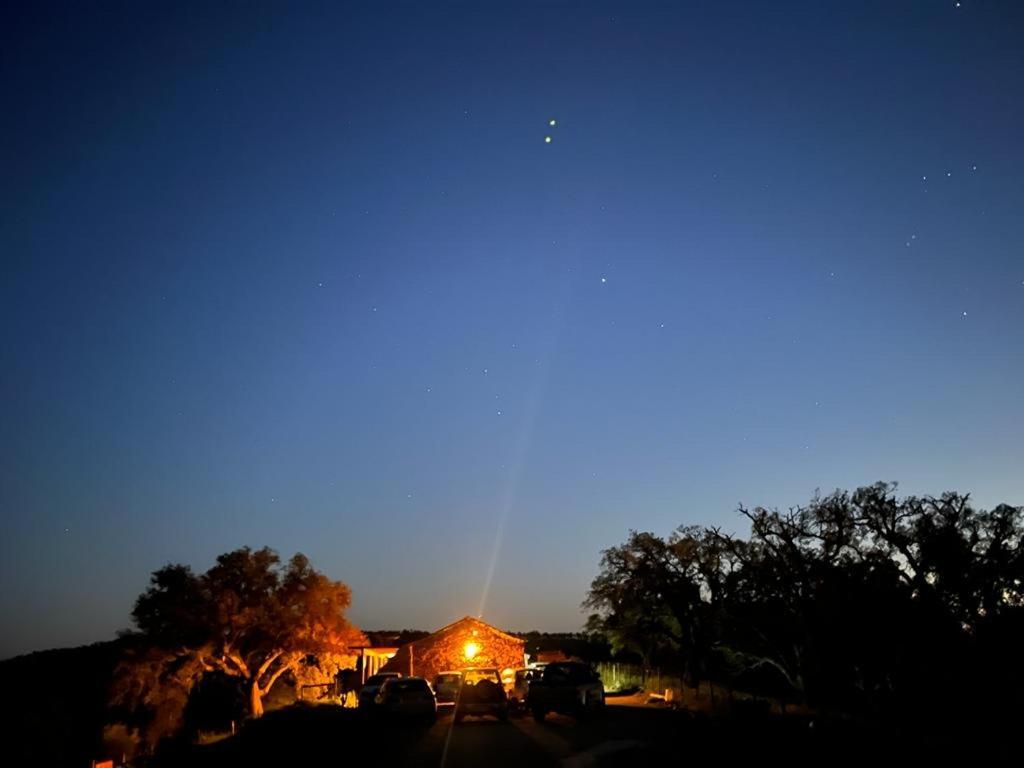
x,y
624,736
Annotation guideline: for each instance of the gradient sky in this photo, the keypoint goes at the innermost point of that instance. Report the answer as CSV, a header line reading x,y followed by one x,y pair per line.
x,y
310,277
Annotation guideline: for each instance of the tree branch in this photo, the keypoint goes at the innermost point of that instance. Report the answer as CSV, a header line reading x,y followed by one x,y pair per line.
x,y
280,671
266,664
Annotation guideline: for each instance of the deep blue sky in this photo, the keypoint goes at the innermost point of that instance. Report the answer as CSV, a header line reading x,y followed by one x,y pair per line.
x,y
310,277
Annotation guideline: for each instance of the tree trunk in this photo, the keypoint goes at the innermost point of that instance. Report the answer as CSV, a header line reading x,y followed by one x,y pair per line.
x,y
255,700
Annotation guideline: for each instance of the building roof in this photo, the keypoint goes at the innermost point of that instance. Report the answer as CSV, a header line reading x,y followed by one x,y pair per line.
x,y
472,620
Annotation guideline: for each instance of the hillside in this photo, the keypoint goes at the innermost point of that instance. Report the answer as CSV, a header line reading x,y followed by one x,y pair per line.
x,y
57,702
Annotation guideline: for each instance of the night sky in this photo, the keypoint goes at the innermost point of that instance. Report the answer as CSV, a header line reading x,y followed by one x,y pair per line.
x,y
312,277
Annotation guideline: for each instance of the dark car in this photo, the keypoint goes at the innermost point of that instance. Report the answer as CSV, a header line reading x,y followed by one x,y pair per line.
x,y
409,697
521,686
481,693
368,693
569,688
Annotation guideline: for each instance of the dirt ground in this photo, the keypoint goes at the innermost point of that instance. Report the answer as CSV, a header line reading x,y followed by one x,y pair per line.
x,y
631,732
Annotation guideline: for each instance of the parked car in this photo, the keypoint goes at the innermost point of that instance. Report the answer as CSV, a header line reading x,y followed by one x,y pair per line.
x,y
520,687
407,697
368,693
569,688
446,688
480,694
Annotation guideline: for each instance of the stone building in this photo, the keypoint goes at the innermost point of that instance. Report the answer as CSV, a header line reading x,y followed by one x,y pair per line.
x,y
467,642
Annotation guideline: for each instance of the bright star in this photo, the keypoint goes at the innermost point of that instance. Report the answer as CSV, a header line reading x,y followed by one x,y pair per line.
x,y
547,139
551,122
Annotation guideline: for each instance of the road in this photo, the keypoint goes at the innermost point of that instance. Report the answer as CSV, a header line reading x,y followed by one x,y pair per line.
x,y
618,737
623,736
331,736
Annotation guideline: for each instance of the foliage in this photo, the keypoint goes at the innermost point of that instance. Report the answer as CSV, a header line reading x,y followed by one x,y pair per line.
x,y
247,618
861,602
586,646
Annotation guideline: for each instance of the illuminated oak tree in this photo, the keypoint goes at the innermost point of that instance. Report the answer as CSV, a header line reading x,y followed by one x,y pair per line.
x,y
248,617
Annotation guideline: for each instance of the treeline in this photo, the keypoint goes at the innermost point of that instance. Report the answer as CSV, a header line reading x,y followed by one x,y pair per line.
x,y
861,603
586,646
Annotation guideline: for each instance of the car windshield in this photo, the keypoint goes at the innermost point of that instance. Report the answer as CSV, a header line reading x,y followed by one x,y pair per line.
x,y
447,680
407,685
561,673
378,679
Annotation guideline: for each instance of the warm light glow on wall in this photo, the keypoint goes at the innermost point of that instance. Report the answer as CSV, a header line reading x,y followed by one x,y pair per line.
x,y
471,650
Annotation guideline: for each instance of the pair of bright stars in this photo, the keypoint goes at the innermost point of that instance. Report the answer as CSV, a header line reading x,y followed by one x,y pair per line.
x,y
552,123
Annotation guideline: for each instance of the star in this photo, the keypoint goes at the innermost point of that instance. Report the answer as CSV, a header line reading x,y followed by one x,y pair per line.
x,y
551,122
964,314
604,279
547,139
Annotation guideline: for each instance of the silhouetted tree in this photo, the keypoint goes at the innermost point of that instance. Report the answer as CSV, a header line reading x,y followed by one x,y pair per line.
x,y
653,593
863,602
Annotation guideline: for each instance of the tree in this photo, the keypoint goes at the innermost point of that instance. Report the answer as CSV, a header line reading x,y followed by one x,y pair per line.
x,y
652,594
859,602
246,617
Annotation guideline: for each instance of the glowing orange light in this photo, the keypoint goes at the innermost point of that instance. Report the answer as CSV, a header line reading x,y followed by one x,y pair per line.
x,y
470,650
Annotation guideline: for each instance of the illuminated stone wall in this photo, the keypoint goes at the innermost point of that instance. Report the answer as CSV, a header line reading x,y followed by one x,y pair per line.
x,y
446,650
